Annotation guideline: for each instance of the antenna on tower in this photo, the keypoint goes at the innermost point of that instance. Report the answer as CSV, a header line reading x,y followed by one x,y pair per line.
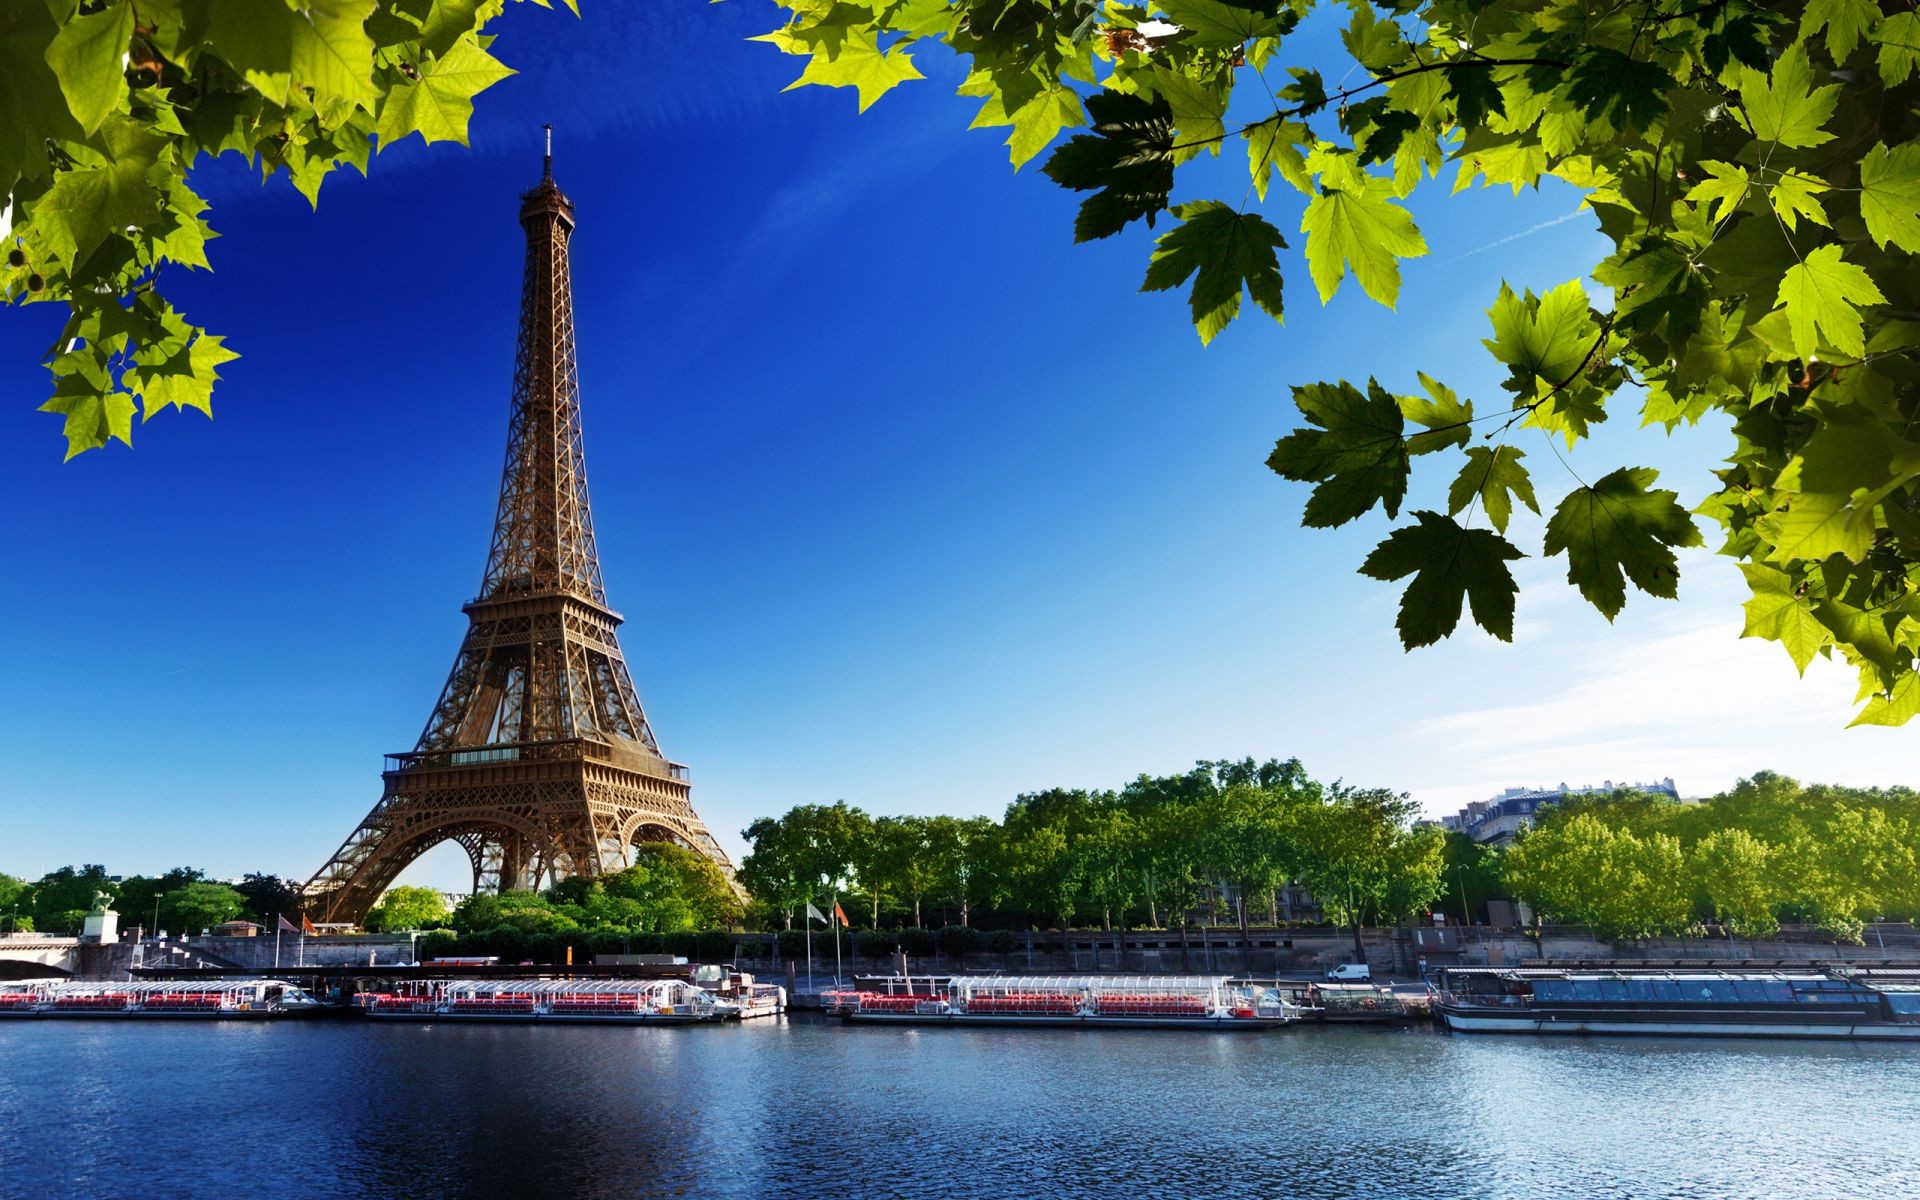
x,y
547,171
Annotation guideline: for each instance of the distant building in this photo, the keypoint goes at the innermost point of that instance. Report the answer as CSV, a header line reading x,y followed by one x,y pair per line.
x,y
1497,821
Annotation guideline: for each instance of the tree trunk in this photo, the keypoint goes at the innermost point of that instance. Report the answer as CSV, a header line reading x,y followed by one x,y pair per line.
x,y
963,912
1186,945
916,914
1246,937
1359,944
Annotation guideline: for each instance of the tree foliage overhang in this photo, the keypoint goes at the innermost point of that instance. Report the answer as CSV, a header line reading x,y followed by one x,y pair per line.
x,y
1754,167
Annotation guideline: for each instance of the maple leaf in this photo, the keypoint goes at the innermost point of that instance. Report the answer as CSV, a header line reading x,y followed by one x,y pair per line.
x,y
1225,252
1890,195
1450,564
1820,294
1356,454
1127,161
1357,225
1785,107
1778,612
1619,530
1494,477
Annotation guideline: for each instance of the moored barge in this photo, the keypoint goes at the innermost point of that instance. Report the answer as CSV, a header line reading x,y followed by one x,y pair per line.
x,y
225,999
1078,1001
553,1001
1780,1004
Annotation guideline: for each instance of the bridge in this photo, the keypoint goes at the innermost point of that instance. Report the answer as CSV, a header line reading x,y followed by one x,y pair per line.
x,y
37,955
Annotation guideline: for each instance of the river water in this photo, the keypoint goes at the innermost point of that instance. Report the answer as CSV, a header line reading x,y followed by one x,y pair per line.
x,y
802,1107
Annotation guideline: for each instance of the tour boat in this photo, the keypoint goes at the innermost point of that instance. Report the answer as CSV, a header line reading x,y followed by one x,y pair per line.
x,y
562,1001
225,999
1113,1001
1699,1003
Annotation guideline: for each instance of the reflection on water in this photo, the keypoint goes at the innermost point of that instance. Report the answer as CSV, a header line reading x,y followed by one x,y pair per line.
x,y
346,1109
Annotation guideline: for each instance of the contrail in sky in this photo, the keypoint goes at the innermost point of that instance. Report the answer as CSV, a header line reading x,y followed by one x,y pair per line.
x,y
1562,219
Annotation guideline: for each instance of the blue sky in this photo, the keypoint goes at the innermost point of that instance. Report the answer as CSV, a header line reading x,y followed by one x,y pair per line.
x,y
907,500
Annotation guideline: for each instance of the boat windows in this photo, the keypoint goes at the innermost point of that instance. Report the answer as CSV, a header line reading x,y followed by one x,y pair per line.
x,y
1667,990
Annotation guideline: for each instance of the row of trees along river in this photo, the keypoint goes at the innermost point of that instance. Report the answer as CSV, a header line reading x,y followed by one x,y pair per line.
x,y
1222,843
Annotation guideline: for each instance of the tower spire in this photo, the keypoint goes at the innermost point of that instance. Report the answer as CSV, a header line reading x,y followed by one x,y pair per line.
x,y
546,172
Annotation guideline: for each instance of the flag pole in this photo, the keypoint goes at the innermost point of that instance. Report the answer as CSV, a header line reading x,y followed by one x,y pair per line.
x,y
277,918
809,920
836,937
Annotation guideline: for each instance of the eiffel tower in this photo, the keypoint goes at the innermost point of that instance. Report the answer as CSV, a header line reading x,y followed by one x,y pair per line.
x,y
538,759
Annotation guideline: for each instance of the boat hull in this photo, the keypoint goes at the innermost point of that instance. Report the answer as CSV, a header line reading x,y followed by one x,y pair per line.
x,y
1007,1020
1702,1025
549,1018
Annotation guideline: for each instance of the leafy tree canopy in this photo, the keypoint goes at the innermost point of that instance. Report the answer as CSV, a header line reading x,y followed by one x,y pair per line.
x,y
403,908
1753,166
106,107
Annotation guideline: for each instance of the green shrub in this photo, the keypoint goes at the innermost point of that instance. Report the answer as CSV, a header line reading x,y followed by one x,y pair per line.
x,y
958,941
1002,941
792,944
715,945
873,943
918,943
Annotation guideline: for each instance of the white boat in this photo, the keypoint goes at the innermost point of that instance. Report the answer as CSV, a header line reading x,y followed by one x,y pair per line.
x,y
1681,1002
203,999
1077,1001
561,1001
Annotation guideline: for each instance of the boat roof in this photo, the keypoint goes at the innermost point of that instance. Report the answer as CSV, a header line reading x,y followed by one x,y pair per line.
x,y
1529,973
1132,983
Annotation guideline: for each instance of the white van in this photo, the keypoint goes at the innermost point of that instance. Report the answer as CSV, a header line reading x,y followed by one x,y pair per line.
x,y
1351,973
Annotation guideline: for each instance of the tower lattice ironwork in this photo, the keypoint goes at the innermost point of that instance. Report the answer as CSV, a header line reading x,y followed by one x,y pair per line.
x,y
538,759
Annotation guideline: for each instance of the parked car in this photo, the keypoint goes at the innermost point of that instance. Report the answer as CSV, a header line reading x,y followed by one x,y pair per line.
x,y
1351,973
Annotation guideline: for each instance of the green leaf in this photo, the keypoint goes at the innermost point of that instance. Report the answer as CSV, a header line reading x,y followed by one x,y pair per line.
x,y
1819,295
1546,338
331,54
1450,564
84,393
1890,195
1494,477
1271,146
32,110
1817,525
1127,159
1785,107
180,377
1899,50
1777,611
254,39
88,56
1896,706
860,64
1726,185
1447,418
1199,113
1844,20
440,104
1619,530
1843,456
1225,251
1374,44
1212,25
1035,123
1793,196
1358,226
1628,92
101,194
1353,447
